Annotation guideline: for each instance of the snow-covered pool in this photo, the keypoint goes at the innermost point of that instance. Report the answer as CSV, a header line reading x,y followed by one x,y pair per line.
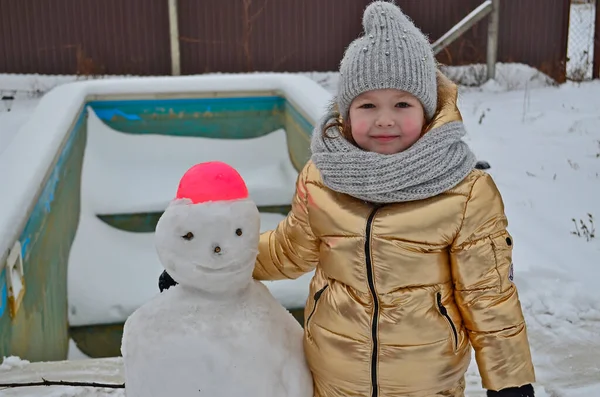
x,y
96,164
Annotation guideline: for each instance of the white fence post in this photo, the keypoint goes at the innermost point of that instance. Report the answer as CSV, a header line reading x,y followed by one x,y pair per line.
x,y
461,27
174,34
489,8
492,44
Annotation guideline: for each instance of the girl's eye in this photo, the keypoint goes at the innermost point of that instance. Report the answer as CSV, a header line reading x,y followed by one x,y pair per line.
x,y
367,106
402,105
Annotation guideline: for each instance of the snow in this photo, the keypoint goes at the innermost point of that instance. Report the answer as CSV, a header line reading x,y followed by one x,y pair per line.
x,y
74,352
155,164
544,147
12,362
218,323
542,141
57,110
101,294
244,338
543,144
11,121
108,370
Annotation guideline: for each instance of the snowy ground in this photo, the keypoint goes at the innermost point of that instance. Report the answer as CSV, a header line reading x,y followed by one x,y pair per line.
x,y
544,147
543,143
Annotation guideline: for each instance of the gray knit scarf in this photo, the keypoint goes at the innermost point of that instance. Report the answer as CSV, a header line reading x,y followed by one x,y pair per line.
x,y
437,162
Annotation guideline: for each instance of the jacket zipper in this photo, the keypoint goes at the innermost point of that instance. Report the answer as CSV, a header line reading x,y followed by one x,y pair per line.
x,y
316,297
375,303
444,313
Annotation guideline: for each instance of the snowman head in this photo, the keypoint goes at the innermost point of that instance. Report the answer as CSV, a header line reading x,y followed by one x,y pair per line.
x,y
208,236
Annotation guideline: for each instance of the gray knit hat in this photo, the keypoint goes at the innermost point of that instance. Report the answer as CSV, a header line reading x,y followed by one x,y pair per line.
x,y
393,53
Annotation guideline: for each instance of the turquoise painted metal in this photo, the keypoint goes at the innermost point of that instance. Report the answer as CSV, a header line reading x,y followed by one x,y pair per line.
x,y
223,118
3,293
39,331
236,117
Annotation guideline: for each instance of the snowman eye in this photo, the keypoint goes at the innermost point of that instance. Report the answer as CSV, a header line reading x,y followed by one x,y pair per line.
x,y
217,250
238,232
188,236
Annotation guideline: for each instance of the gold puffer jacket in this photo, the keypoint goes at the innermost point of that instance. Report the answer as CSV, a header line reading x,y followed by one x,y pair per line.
x,y
402,291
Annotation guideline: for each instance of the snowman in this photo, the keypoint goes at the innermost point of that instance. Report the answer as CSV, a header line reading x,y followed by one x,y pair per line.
x,y
218,332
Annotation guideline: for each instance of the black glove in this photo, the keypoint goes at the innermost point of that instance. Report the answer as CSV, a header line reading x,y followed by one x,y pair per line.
x,y
165,281
523,391
483,165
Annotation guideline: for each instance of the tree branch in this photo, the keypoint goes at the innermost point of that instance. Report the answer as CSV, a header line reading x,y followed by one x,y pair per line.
x,y
187,39
257,13
248,23
63,383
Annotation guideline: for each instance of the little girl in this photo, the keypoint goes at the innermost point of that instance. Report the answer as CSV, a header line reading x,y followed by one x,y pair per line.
x,y
409,241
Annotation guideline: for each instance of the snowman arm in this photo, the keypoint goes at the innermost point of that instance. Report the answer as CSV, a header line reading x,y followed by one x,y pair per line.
x,y
292,249
165,281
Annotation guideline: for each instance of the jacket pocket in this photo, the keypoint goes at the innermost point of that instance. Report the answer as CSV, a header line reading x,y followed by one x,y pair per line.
x,y
444,313
316,298
502,246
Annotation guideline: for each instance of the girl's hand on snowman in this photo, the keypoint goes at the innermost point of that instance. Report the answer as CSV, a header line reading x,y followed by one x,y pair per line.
x,y
165,281
523,391
483,165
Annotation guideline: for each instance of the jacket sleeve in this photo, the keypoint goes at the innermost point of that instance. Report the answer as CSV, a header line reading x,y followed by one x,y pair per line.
x,y
481,259
292,249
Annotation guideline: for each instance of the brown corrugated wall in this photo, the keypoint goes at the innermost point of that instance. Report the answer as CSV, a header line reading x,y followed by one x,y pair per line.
x,y
534,32
310,35
132,36
84,37
266,35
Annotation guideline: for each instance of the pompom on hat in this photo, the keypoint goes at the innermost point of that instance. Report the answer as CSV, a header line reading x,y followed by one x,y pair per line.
x,y
212,181
393,53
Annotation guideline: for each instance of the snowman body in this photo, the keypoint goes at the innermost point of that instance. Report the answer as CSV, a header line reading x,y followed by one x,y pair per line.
x,y
190,345
217,333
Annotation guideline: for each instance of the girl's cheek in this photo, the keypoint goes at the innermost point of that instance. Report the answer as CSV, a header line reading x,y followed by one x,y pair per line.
x,y
412,123
360,126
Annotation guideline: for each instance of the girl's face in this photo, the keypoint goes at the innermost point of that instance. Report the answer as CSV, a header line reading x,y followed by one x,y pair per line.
x,y
386,121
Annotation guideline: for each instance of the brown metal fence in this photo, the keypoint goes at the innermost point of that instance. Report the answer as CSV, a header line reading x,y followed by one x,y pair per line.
x,y
266,35
533,32
84,37
132,36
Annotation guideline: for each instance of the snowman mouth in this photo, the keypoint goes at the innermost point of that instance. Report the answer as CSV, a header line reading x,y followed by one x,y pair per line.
x,y
227,269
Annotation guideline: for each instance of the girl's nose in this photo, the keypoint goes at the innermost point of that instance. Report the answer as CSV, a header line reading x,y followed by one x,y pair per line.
x,y
384,121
